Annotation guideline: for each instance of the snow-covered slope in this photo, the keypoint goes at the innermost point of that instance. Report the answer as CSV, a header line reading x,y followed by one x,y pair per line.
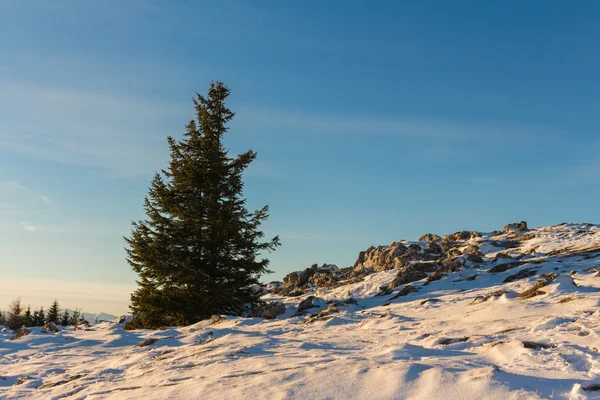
x,y
470,335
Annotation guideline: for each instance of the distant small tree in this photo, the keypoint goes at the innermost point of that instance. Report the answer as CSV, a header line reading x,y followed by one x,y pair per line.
x,y
2,318
39,317
14,317
65,318
53,313
28,317
76,318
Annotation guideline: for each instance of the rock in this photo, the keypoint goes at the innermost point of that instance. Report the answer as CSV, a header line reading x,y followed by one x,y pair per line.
x,y
462,236
328,268
451,265
404,291
269,311
486,297
324,314
435,248
423,302
536,345
516,227
414,248
404,277
215,319
307,304
534,290
447,341
50,327
19,333
429,237
505,244
522,274
435,276
147,342
505,267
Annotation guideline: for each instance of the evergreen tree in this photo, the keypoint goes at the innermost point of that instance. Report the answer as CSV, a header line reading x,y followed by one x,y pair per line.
x,y
2,318
14,317
65,318
28,317
39,317
76,318
198,252
53,312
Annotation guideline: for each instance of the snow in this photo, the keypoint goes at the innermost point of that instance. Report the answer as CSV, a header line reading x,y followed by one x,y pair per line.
x,y
436,343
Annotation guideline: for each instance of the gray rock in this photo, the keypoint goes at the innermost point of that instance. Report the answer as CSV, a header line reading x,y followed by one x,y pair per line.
x,y
19,333
307,304
429,237
405,277
50,327
522,274
269,311
516,227
147,342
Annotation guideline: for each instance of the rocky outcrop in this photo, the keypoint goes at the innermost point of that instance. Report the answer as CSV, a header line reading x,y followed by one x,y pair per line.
x,y
269,310
516,227
429,237
296,283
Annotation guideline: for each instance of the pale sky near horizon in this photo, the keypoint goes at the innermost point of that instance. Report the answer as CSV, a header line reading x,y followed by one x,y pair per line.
x,y
373,122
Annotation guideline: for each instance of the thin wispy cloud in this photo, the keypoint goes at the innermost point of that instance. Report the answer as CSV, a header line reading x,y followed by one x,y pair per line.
x,y
125,135
117,133
338,124
16,186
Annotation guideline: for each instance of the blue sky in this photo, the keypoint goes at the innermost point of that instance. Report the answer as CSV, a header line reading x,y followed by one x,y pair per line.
x,y
373,121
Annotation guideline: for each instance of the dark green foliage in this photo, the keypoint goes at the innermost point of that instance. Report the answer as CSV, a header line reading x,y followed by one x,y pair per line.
x,y
28,317
53,313
2,318
198,253
14,317
39,317
65,318
76,318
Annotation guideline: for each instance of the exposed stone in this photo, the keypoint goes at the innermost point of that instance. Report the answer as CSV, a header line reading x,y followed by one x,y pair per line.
x,y
147,342
505,266
19,333
307,304
435,276
405,277
429,237
462,236
404,291
50,327
522,274
435,248
215,319
505,244
486,297
269,311
324,314
447,341
536,345
534,290
516,226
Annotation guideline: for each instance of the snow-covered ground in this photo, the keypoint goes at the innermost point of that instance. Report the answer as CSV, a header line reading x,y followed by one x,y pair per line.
x,y
443,341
